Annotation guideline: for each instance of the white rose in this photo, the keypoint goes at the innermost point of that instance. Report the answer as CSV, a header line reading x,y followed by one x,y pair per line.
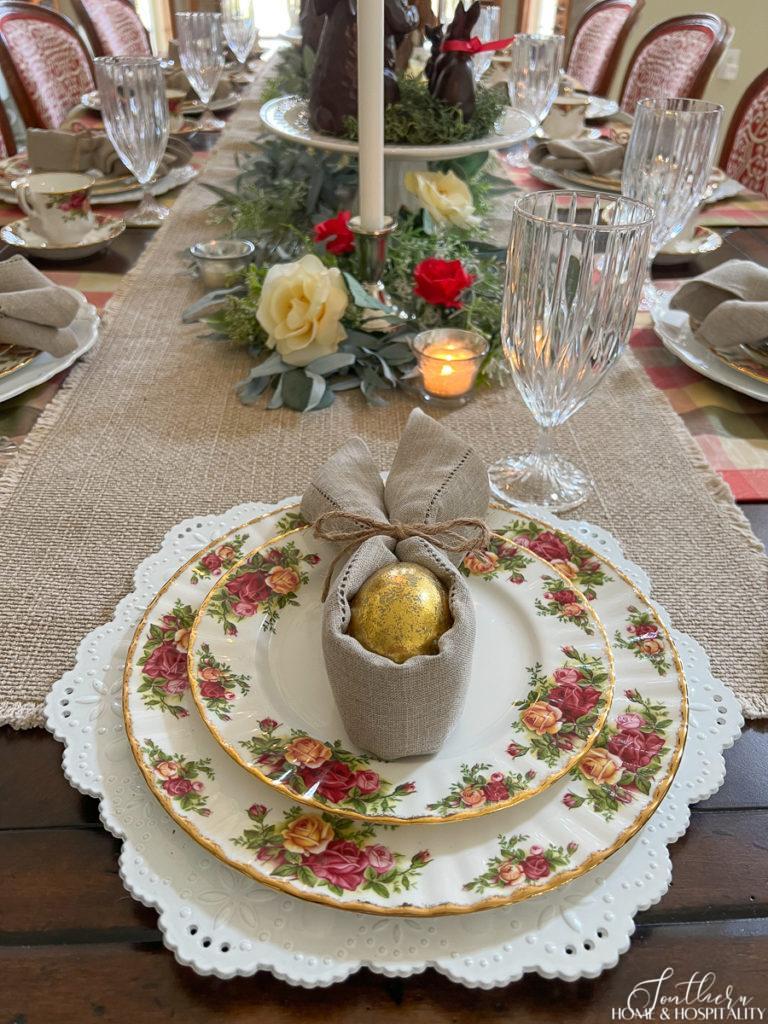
x,y
444,196
301,307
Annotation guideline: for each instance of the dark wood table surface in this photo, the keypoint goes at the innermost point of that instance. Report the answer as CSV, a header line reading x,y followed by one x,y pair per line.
x,y
75,948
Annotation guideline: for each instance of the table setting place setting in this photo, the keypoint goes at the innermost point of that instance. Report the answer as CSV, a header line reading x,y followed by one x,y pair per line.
x,y
299,596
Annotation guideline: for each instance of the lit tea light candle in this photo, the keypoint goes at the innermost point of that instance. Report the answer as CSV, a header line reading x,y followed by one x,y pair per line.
x,y
449,361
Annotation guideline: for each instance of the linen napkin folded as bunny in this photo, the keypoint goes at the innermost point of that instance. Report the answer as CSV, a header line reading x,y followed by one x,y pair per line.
x,y
727,306
591,156
33,312
58,150
388,709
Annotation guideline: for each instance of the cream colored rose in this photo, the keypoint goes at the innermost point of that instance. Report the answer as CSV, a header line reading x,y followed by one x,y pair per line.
x,y
301,307
444,196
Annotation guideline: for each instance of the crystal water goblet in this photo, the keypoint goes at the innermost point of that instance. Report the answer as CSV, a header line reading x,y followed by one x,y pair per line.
x,y
575,270
533,79
667,165
239,24
134,109
486,30
201,54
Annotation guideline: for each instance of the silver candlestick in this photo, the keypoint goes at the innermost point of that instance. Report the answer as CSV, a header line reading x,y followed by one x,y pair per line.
x,y
372,256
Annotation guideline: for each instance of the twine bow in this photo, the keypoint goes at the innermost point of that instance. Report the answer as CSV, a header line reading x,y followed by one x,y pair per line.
x,y
357,528
475,45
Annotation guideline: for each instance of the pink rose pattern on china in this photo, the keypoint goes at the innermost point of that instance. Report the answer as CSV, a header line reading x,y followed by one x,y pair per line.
x,y
328,852
163,661
625,760
479,787
645,638
217,685
265,584
220,559
519,865
324,771
573,560
178,778
500,557
559,713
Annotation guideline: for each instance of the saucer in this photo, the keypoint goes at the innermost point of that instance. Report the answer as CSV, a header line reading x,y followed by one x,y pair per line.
x,y
583,134
682,250
22,237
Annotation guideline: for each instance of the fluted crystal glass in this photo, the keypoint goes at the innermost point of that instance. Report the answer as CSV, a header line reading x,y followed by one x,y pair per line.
x,y
134,109
533,73
667,165
575,270
239,24
201,53
487,31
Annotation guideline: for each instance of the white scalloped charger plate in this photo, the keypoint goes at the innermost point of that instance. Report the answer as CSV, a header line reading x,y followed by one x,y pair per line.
x,y
485,862
260,685
217,922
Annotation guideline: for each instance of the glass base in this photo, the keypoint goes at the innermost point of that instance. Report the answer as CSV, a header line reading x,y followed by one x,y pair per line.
x,y
438,402
550,482
149,213
651,297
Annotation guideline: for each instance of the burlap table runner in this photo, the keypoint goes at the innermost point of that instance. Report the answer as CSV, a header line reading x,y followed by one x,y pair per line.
x,y
148,430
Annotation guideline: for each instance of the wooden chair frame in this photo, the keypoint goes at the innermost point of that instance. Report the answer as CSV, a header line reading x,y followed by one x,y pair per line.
x,y
756,86
7,132
91,32
20,95
720,29
607,75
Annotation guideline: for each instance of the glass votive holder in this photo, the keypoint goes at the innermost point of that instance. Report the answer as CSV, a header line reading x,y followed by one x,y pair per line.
x,y
218,261
449,360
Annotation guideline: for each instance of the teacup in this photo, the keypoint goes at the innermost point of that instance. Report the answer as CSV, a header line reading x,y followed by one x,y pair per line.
x,y
565,120
58,205
175,99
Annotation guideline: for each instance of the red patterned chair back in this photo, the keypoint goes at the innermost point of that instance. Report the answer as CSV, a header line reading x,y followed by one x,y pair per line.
x,y
599,40
44,62
113,27
745,151
676,58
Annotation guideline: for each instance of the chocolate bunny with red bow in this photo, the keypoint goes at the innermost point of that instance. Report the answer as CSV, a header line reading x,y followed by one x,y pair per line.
x,y
452,80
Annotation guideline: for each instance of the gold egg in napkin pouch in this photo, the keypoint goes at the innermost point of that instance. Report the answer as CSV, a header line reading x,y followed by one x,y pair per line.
x,y
396,709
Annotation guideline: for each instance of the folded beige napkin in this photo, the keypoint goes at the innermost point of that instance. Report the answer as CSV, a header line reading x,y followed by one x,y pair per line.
x,y
33,312
53,150
388,709
596,156
727,306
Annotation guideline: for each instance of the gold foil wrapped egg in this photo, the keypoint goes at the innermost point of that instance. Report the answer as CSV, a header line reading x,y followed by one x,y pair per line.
x,y
400,611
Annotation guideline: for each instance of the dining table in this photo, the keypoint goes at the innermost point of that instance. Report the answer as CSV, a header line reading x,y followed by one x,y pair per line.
x,y
75,947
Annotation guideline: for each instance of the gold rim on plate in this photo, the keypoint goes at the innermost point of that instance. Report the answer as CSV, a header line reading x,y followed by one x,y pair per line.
x,y
389,819
446,909
13,358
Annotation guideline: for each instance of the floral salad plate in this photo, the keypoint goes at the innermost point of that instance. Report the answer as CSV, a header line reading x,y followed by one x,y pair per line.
x,y
540,688
418,870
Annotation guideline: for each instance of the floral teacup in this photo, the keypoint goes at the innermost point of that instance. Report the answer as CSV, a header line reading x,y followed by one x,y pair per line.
x,y
58,205
565,120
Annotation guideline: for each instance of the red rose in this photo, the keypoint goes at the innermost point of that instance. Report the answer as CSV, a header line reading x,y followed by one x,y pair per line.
x,y
573,700
342,863
635,748
645,629
211,562
421,858
515,750
495,792
212,690
406,787
251,587
563,596
571,800
267,725
336,234
546,545
535,866
177,787
441,282
274,555
311,559
166,662
334,777
367,781
257,811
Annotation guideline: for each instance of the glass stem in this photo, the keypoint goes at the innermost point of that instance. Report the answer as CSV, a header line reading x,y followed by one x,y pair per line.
x,y
544,444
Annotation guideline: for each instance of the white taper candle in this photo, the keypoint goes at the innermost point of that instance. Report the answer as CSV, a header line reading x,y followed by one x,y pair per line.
x,y
370,111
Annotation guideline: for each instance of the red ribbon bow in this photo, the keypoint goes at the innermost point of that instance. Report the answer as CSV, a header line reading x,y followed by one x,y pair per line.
x,y
474,45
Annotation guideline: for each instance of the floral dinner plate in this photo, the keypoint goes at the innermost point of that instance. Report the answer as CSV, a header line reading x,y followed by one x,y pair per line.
x,y
485,862
540,688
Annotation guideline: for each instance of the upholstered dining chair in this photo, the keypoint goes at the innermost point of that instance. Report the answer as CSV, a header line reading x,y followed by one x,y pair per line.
x,y
745,150
599,40
676,58
7,141
113,28
44,61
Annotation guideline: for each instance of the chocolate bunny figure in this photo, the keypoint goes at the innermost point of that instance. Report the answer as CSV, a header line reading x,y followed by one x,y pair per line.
x,y
311,25
400,19
453,80
435,36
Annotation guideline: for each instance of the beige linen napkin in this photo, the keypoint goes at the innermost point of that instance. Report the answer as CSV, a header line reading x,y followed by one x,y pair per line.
x,y
727,306
33,312
52,150
388,709
596,156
